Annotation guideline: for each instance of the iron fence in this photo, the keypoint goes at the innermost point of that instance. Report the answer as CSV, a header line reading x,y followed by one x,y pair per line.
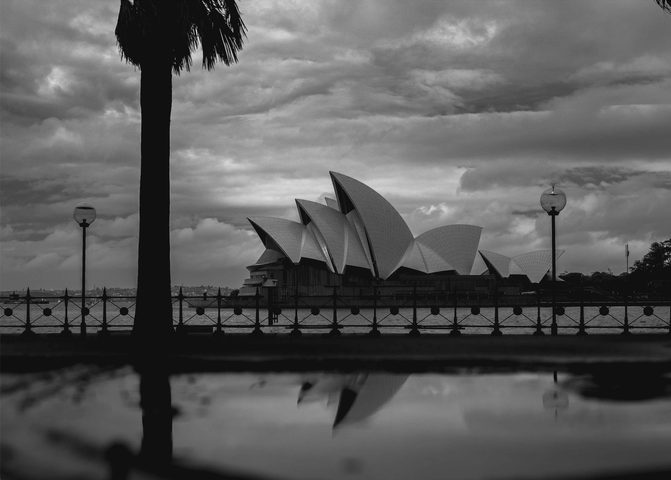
x,y
372,312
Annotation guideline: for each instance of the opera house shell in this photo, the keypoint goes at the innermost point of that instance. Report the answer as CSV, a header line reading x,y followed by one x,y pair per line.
x,y
360,229
534,265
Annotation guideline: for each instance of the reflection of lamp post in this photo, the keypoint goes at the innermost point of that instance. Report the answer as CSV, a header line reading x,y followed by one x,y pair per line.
x,y
84,215
553,201
555,398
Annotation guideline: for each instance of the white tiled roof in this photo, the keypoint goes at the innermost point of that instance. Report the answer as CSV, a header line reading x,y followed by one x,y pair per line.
x,y
341,241
536,264
332,203
455,245
291,237
498,262
363,230
388,235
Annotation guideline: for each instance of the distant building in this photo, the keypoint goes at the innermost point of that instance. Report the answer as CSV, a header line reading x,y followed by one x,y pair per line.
x,y
358,239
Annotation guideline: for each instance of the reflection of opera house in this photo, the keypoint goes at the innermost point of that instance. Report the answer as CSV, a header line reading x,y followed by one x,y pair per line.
x,y
358,239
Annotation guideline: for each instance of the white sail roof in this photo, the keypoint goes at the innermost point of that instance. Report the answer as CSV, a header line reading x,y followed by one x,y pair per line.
x,y
269,256
342,242
496,261
386,233
414,258
289,237
536,264
455,245
332,203
424,259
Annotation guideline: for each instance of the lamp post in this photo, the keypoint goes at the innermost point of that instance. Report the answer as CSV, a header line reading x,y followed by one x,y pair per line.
x,y
553,201
84,215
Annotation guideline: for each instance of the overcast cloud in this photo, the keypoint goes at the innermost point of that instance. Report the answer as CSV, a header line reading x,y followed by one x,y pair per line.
x,y
457,112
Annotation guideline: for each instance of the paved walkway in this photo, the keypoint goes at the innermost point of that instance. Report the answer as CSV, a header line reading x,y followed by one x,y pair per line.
x,y
314,352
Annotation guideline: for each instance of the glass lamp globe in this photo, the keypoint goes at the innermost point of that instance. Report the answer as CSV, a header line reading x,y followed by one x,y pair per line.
x,y
553,200
84,215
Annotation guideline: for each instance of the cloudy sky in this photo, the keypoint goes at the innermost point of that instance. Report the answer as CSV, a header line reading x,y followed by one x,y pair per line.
x,y
457,112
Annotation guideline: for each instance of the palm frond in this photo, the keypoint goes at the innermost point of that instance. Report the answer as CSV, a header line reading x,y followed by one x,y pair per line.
x,y
665,5
220,30
147,29
129,31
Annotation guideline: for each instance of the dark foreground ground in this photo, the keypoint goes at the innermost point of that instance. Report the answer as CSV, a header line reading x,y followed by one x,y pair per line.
x,y
346,352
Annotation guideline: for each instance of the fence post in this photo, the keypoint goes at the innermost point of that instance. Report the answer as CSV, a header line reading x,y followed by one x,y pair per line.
x,y
415,327
581,325
180,318
455,323
539,323
66,320
296,330
497,330
625,327
219,330
83,313
269,305
554,327
374,331
28,329
334,324
103,329
257,319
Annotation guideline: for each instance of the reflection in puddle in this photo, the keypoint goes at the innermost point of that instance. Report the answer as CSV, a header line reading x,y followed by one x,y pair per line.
x,y
94,423
357,396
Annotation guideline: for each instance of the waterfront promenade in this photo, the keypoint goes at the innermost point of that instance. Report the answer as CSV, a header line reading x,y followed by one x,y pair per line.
x,y
437,352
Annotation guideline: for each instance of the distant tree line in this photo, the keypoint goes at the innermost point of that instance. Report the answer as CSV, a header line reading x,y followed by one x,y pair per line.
x,y
650,276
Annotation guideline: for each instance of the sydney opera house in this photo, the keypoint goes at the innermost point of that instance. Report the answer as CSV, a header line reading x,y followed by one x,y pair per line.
x,y
353,239
358,239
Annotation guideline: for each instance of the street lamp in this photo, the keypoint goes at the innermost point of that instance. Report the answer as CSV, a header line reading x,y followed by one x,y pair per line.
x,y
84,215
553,201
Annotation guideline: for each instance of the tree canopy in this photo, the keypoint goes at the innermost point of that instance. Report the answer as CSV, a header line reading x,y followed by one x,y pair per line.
x,y
657,262
173,29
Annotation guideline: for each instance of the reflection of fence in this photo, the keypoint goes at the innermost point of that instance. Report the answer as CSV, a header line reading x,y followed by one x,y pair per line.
x,y
372,312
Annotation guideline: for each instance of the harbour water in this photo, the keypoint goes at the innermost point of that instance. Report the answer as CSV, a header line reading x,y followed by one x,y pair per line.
x,y
361,425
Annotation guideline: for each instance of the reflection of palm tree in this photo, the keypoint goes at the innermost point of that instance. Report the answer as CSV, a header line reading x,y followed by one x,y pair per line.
x,y
156,404
665,4
158,36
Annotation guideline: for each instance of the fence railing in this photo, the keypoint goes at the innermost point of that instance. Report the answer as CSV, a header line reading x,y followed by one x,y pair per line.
x,y
374,313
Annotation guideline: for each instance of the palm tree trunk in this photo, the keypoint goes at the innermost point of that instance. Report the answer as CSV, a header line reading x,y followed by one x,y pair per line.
x,y
153,311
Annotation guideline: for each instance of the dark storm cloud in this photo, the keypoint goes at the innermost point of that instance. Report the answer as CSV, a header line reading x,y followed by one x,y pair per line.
x,y
458,112
17,191
594,176
68,66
